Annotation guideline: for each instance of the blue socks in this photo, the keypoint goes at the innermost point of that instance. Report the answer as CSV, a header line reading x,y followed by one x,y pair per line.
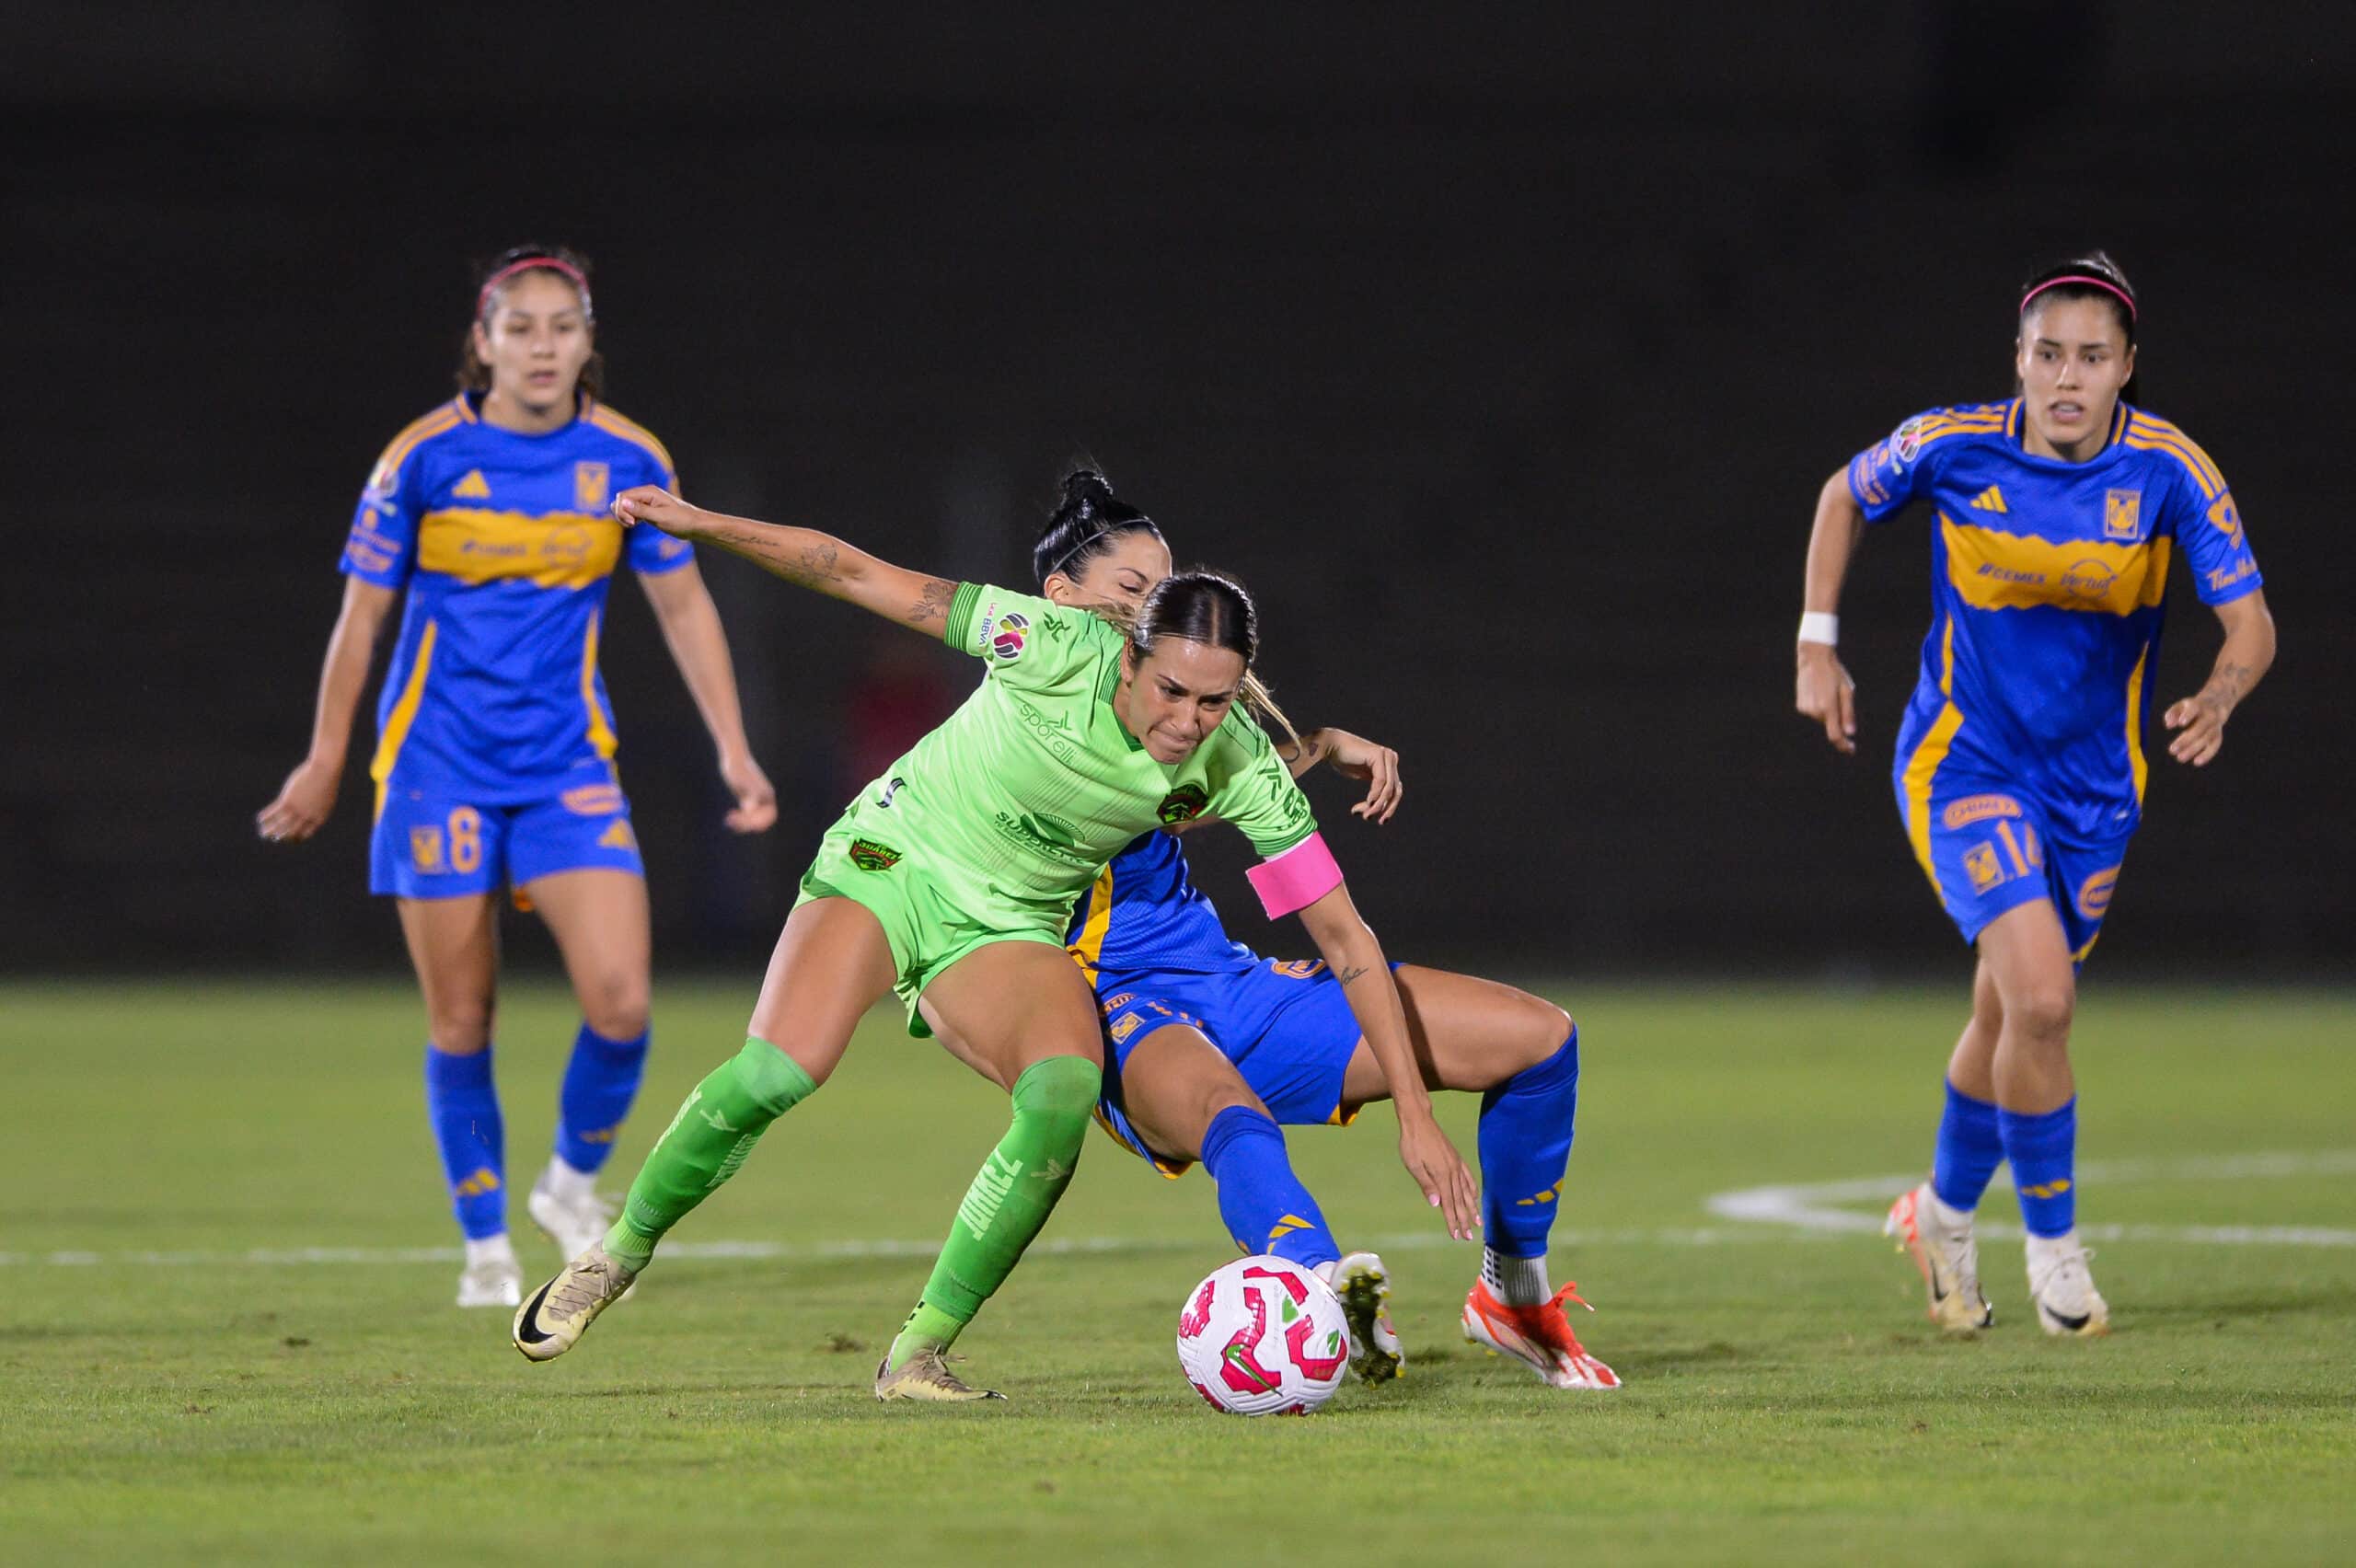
x,y
1969,1149
1265,1205
1526,1127
600,1082
463,1108
2043,1152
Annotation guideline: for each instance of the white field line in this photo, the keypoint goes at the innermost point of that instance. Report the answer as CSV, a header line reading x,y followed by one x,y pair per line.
x,y
825,1251
1797,1211
1812,1207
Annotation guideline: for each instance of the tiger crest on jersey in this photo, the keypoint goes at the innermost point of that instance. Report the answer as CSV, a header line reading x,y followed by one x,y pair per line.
x,y
590,483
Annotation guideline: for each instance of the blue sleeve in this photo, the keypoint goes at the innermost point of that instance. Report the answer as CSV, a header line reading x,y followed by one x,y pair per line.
x,y
2209,533
651,552
382,546
1893,470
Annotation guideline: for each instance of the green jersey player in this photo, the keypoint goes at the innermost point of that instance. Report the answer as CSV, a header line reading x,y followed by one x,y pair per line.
x,y
950,882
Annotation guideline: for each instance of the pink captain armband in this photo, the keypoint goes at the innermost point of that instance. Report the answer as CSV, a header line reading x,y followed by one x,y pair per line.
x,y
1298,878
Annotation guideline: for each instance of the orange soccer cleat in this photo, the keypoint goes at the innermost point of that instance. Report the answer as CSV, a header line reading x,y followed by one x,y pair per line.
x,y
1538,1337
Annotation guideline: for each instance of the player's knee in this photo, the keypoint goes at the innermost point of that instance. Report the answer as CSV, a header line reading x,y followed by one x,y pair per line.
x,y
2041,1011
1225,1092
1539,1031
460,1028
1057,1096
615,1004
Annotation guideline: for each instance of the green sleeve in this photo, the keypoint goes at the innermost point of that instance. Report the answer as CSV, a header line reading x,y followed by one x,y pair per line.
x,y
1260,796
1031,643
961,614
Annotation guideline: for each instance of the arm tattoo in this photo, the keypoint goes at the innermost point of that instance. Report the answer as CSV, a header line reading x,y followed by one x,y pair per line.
x,y
817,564
932,601
812,568
2226,685
1354,971
1302,756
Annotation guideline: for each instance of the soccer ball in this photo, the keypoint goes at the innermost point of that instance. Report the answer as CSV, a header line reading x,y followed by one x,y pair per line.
x,y
1264,1337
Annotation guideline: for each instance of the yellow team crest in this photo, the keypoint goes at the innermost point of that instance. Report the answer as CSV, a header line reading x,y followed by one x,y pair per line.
x,y
2123,514
1980,863
590,481
425,848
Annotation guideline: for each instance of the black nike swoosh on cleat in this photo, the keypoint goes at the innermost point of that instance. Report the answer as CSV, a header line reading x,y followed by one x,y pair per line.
x,y
2072,1324
528,1328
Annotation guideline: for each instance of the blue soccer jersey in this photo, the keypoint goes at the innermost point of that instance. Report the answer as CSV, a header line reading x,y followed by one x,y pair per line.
x,y
506,545
1152,946
2046,578
1145,912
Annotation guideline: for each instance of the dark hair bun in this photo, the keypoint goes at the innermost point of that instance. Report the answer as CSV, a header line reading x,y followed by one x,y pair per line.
x,y
1086,487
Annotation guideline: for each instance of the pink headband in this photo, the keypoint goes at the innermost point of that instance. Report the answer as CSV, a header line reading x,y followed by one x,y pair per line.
x,y
531,264
2112,289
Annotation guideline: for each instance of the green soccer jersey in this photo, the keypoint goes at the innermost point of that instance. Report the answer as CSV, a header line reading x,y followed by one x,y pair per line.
x,y
1009,809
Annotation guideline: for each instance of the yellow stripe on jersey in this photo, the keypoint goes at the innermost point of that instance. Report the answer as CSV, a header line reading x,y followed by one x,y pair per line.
x,y
554,549
2141,769
601,734
1991,570
1923,766
404,714
1935,425
2157,435
630,429
1089,951
413,435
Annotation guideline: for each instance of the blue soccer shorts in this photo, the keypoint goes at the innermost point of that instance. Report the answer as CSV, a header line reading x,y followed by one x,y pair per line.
x,y
1286,1025
431,843
1991,847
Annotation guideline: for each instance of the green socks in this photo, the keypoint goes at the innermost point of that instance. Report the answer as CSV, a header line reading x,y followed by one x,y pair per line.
x,y
1008,1203
705,1144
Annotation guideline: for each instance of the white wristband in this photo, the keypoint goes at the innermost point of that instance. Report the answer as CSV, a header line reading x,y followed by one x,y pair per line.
x,y
1820,625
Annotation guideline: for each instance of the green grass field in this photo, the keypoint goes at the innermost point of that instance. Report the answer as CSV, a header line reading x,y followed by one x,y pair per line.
x,y
193,1371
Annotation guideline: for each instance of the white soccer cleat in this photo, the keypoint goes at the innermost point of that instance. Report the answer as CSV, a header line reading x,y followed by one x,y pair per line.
x,y
574,1223
560,1311
1946,1255
1538,1337
2068,1305
1362,1283
494,1284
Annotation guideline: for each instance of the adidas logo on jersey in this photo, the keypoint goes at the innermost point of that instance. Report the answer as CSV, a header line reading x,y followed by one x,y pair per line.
x,y
474,487
1990,499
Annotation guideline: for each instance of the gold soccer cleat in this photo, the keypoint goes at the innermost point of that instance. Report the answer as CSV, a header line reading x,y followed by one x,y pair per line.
x,y
926,1376
560,1311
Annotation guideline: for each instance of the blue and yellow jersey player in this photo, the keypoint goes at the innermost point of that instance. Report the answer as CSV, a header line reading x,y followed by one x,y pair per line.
x,y
2022,758
490,518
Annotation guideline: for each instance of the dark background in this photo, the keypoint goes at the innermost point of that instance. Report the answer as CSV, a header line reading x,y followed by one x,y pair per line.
x,y
1502,355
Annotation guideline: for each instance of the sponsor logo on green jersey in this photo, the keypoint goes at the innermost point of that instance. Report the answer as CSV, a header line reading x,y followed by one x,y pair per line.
x,y
1046,834
1007,638
1182,804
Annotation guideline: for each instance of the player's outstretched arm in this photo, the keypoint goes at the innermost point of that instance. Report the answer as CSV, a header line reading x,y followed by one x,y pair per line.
x,y
699,645
1826,694
1350,950
307,797
805,556
1352,756
2242,662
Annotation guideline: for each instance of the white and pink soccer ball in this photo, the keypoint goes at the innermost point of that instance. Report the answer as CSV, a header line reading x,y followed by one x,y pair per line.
x,y
1264,1337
